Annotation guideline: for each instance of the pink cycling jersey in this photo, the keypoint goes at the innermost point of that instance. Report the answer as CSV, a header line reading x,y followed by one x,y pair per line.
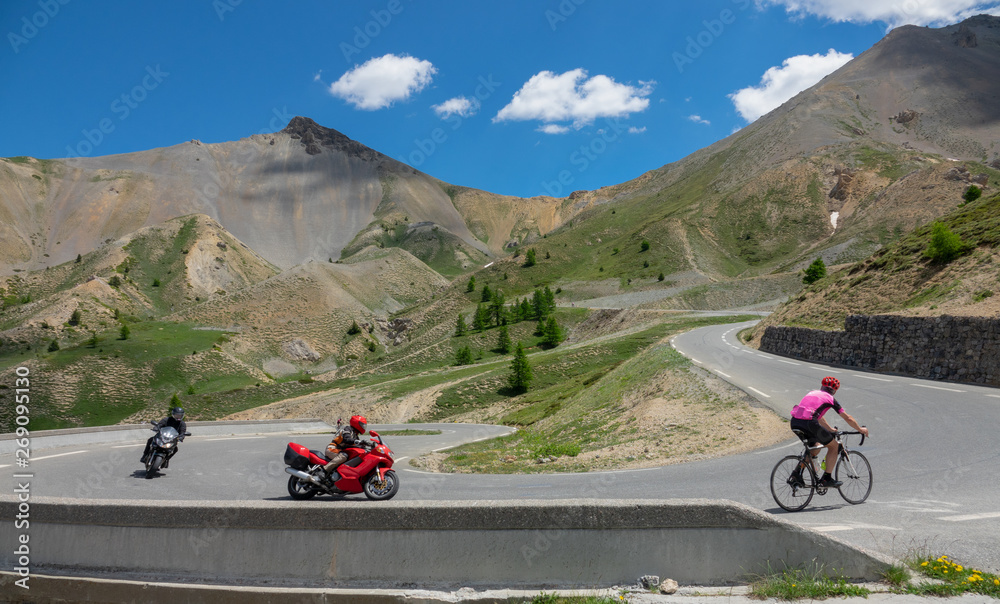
x,y
815,404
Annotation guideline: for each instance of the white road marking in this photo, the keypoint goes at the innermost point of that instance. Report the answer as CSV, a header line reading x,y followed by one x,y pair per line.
x,y
694,360
764,356
232,438
57,455
993,395
400,459
868,377
723,374
788,362
983,516
936,388
759,392
833,528
126,446
6,465
796,443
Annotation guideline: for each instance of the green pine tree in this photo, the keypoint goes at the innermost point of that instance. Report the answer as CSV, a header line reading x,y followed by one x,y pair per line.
x,y
463,356
520,377
503,341
487,293
552,334
815,272
481,320
124,332
471,287
529,258
460,326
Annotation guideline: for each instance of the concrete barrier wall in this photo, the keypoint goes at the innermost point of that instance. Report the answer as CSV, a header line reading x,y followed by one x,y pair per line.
x,y
532,544
48,439
960,349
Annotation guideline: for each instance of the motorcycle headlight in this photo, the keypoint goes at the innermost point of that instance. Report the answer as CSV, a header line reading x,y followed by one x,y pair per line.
x,y
167,445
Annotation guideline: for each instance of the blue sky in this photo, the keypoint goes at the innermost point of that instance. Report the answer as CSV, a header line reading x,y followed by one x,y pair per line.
x,y
515,97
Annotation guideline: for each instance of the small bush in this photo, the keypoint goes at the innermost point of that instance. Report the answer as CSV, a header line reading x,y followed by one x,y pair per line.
x,y
644,246
353,329
54,346
972,193
944,246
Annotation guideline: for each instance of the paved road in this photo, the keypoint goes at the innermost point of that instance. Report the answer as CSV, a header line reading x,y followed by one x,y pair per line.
x,y
936,471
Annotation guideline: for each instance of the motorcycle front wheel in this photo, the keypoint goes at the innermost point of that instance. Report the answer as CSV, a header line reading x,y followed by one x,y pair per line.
x,y
381,490
154,465
300,489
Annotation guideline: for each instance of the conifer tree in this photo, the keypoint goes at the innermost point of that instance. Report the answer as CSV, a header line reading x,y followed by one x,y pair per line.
x,y
520,377
460,326
503,341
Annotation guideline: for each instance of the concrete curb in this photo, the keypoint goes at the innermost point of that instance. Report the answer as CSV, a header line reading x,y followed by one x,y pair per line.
x,y
50,439
435,544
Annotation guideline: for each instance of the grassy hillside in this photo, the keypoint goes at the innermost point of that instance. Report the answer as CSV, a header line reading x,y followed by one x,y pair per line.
x,y
902,279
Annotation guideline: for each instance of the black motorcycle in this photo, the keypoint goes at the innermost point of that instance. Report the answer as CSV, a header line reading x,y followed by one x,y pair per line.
x,y
164,447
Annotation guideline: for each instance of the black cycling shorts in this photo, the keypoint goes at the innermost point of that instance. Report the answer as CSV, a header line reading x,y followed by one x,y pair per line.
x,y
816,432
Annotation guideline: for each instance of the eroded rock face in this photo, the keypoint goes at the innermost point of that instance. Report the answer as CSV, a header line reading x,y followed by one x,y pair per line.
x,y
965,37
314,137
905,117
300,350
842,190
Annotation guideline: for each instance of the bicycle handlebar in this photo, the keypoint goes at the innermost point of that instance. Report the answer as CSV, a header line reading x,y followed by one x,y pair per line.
x,y
843,433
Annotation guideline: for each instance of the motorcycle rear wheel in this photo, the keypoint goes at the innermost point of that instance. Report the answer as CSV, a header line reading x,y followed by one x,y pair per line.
x,y
380,490
154,465
300,489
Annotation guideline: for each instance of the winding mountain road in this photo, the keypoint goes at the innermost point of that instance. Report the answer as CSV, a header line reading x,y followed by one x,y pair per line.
x,y
936,471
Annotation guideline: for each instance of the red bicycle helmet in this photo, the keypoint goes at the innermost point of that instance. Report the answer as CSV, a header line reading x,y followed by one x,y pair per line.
x,y
832,383
359,423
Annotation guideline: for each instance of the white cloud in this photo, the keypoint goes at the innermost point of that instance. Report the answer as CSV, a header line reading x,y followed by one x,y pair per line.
x,y
634,130
573,97
381,81
460,106
892,12
699,120
782,83
553,129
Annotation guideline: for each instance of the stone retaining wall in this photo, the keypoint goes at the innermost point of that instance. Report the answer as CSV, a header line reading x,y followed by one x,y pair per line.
x,y
960,349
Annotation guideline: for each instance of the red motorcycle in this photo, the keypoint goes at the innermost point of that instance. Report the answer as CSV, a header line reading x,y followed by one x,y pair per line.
x,y
367,469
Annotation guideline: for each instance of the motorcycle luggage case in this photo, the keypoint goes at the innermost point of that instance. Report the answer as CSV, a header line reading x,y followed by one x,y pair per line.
x,y
295,459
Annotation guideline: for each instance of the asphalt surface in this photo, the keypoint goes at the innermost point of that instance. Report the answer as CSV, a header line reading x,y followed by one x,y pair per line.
x,y
935,470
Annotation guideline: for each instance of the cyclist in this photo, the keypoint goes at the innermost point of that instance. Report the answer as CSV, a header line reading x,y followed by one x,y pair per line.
x,y
807,417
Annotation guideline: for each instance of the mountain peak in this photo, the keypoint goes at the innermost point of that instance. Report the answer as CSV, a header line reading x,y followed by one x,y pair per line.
x,y
314,137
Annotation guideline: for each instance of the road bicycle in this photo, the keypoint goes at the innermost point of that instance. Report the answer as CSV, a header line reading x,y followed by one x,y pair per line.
x,y
793,490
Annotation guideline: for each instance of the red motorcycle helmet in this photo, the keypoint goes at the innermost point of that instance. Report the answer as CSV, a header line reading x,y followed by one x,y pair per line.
x,y
359,423
832,383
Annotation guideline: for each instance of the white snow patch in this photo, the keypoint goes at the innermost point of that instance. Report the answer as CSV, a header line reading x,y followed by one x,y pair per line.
x,y
833,218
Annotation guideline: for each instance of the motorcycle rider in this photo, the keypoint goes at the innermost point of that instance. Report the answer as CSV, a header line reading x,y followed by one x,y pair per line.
x,y
348,436
176,421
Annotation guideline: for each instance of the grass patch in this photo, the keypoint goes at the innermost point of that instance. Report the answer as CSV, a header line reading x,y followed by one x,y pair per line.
x,y
544,598
408,432
795,584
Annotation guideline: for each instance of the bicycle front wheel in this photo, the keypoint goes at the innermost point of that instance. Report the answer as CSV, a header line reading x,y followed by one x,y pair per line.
x,y
856,474
789,493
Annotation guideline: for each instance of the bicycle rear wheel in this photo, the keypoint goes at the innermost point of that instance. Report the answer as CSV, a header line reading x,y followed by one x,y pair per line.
x,y
856,474
786,492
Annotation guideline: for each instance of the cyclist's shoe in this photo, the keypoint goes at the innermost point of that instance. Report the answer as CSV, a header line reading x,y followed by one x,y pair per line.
x,y
830,482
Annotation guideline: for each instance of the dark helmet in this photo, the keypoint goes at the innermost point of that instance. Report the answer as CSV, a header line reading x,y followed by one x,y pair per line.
x,y
359,423
177,413
832,383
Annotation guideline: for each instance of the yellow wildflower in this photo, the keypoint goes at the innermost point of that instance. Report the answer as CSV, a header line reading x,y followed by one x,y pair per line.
x,y
924,563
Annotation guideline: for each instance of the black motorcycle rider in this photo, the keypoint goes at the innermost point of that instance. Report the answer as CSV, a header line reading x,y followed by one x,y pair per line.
x,y
176,421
